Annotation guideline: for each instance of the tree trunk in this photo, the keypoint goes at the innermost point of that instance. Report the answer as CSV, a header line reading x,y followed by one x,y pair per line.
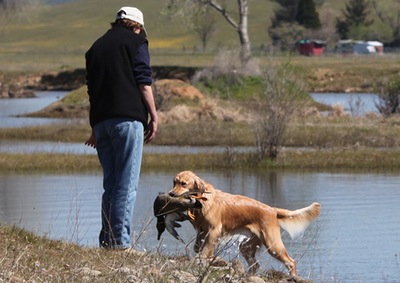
x,y
245,48
241,28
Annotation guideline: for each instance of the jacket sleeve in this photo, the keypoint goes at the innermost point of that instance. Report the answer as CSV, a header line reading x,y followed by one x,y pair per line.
x,y
142,70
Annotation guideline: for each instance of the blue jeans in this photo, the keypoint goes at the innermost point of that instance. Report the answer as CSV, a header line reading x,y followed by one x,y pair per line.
x,y
119,144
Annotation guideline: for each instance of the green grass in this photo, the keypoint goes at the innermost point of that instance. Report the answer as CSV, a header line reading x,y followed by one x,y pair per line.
x,y
56,37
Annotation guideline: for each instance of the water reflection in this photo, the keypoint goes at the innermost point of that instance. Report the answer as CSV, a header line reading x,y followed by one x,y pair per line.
x,y
358,231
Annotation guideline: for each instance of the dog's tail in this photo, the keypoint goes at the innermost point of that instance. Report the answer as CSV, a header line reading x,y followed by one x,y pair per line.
x,y
295,222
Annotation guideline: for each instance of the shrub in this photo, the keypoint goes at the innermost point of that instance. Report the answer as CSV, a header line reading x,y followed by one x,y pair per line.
x,y
388,92
282,97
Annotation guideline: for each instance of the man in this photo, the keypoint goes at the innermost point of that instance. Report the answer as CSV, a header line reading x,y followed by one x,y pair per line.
x,y
122,116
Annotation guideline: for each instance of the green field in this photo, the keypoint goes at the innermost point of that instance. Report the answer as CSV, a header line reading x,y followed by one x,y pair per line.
x,y
56,37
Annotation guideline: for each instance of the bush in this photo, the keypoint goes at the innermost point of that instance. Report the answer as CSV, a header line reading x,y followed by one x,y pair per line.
x,y
282,97
388,92
228,79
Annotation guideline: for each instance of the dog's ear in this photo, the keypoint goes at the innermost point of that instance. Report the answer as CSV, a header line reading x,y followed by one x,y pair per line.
x,y
199,185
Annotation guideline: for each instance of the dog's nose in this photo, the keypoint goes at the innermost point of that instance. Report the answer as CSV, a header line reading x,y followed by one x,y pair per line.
x,y
172,194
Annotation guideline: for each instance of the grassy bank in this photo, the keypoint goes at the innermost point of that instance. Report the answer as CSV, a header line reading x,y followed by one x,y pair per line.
x,y
316,142
363,159
27,257
312,141
317,132
330,73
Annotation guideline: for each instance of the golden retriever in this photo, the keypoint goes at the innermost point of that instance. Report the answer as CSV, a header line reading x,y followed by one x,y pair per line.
x,y
223,214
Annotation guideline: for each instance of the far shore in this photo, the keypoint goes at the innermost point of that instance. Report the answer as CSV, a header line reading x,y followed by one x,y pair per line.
x,y
336,141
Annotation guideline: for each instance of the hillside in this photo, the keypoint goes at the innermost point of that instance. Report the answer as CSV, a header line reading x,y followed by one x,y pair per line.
x,y
71,28
74,25
56,36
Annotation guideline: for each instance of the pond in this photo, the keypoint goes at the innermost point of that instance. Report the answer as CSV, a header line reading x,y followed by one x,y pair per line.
x,y
355,239
355,104
11,108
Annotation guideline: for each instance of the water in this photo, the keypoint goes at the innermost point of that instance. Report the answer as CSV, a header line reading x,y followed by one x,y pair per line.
x,y
80,148
11,108
356,238
355,104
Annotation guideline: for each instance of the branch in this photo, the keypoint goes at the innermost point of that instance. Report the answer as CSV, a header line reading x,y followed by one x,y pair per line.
x,y
221,10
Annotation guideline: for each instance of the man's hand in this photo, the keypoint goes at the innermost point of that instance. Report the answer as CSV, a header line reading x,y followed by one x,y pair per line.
x,y
91,141
148,97
151,131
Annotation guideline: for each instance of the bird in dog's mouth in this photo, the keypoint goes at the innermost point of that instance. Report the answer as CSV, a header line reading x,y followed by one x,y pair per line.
x,y
171,209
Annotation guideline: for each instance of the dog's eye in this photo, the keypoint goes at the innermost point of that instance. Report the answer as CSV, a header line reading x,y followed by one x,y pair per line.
x,y
183,184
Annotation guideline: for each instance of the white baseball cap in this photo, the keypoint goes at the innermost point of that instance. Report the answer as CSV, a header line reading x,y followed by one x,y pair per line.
x,y
133,14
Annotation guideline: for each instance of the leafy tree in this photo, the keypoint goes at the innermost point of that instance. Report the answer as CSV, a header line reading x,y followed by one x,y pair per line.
x,y
355,15
285,13
389,16
307,15
377,31
291,21
301,11
286,35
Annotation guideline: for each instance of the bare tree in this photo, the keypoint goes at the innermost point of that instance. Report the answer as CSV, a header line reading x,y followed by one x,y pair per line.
x,y
240,25
204,25
388,91
283,96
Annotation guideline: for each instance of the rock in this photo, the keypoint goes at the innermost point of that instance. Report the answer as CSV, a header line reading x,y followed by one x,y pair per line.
x,y
14,91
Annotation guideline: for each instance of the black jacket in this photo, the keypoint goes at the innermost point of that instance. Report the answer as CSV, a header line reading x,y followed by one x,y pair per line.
x,y
112,87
